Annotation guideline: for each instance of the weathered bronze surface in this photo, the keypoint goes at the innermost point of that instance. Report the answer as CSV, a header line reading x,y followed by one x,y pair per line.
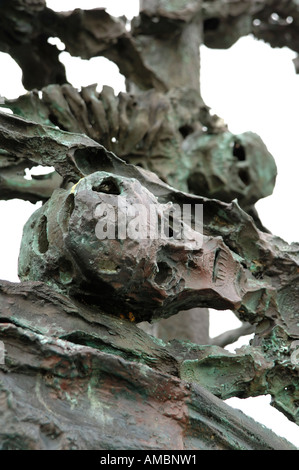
x,y
76,378
116,329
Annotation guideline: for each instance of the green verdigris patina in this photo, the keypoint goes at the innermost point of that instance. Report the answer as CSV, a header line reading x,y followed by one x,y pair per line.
x,y
79,371
60,247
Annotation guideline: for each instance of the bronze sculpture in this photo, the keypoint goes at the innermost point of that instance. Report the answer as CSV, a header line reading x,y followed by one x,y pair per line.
x,y
156,144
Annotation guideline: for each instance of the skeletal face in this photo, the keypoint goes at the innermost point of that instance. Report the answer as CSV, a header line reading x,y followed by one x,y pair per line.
x,y
228,167
109,242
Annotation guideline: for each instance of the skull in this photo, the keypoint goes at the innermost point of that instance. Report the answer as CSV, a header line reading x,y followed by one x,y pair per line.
x,y
110,243
226,167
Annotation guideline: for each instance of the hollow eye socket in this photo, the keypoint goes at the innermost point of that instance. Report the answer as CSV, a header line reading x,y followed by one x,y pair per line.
x,y
107,186
239,152
244,176
164,273
211,24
